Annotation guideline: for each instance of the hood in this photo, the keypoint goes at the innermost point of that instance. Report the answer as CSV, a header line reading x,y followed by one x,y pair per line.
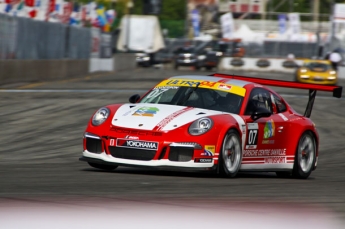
x,y
157,117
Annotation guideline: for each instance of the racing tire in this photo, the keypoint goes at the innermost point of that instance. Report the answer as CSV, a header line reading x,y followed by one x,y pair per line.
x,y
305,156
103,167
230,157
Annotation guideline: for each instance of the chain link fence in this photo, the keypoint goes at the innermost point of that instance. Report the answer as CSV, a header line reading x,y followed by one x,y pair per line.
x,y
26,39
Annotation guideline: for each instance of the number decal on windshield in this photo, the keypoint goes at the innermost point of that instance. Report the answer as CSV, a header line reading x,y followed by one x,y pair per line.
x,y
156,92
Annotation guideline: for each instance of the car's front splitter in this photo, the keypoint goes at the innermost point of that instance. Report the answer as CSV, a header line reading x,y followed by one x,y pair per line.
x,y
109,159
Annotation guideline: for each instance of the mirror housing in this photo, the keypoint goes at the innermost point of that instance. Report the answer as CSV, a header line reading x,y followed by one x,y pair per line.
x,y
260,112
134,98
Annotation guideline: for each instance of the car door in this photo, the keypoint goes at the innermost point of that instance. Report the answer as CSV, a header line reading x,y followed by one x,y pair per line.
x,y
265,140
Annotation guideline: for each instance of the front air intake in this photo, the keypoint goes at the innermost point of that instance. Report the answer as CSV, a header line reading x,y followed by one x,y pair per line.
x,y
181,153
93,145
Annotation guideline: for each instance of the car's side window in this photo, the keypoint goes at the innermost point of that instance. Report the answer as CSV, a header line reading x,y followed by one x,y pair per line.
x,y
281,107
259,97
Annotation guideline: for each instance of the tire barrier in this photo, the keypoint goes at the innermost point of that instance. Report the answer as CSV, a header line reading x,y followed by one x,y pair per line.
x,y
237,62
263,63
259,64
289,64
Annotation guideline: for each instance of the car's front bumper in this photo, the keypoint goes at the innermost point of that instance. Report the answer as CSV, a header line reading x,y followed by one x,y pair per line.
x,y
324,80
165,153
186,62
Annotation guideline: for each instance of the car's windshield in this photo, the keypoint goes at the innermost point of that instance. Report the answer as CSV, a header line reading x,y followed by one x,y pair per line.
x,y
316,66
185,50
206,98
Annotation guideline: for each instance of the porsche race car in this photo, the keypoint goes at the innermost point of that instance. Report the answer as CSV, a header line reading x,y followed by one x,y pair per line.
x,y
224,123
317,72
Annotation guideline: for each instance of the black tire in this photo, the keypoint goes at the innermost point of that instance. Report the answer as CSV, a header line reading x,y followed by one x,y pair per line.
x,y
305,156
103,167
230,157
209,68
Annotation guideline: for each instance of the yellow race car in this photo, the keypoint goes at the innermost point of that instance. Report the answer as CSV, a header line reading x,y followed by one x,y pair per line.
x,y
316,72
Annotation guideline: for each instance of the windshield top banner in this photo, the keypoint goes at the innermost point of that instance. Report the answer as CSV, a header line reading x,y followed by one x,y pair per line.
x,y
203,84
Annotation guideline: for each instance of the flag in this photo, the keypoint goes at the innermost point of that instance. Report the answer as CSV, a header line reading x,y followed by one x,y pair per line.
x,y
30,3
8,8
282,23
101,16
195,22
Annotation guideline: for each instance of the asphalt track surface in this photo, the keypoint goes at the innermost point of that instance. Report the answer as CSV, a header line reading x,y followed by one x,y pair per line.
x,y
43,183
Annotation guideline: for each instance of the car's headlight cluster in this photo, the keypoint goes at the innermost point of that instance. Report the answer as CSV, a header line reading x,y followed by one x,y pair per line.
x,y
100,116
200,126
201,57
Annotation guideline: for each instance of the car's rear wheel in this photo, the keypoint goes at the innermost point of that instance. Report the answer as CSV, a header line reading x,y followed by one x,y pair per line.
x,y
305,156
230,157
103,167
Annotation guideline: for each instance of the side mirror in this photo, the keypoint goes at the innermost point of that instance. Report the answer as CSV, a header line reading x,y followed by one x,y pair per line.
x,y
134,98
260,112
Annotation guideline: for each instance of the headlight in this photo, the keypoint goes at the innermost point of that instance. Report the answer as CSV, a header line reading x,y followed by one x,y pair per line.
x,y
202,57
219,54
100,116
332,72
200,126
303,70
305,76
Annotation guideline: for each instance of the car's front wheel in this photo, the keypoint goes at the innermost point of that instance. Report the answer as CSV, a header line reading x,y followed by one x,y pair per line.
x,y
103,167
230,157
305,156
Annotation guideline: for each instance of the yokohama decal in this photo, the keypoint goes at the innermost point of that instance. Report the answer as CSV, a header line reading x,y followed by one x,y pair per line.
x,y
169,118
137,144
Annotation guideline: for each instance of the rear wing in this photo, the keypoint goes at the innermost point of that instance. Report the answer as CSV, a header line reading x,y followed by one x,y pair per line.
x,y
337,90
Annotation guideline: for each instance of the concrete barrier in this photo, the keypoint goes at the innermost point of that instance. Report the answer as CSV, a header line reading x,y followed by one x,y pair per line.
x,y
120,61
341,72
101,65
15,71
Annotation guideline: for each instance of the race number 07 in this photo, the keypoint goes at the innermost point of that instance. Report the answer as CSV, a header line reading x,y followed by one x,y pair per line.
x,y
252,137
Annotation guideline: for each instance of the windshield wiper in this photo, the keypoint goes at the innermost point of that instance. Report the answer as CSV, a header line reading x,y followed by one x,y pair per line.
x,y
186,97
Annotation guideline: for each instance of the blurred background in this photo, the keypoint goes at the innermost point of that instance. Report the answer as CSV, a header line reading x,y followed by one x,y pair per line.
x,y
62,60
87,35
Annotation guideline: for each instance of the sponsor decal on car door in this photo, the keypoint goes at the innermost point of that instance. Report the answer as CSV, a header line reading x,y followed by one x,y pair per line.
x,y
266,141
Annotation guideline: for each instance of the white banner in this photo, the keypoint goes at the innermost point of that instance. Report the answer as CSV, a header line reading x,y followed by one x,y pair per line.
x,y
295,26
227,23
95,42
339,12
140,33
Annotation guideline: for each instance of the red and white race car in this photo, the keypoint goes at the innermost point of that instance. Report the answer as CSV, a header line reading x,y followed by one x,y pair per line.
x,y
220,122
